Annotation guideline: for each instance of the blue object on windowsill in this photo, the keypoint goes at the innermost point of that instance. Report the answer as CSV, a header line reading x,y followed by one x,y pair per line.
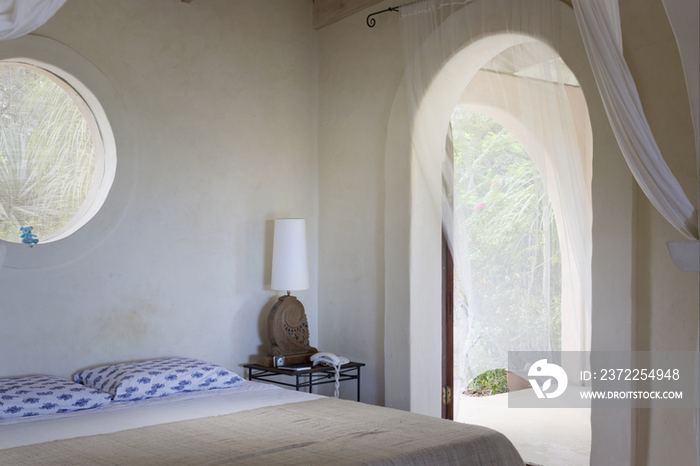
x,y
27,236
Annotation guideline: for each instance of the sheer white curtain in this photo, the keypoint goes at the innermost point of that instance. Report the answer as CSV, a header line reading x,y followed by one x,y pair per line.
x,y
508,37
600,31
20,17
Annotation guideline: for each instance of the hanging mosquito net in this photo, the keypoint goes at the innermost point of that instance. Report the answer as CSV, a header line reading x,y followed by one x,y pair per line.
x,y
515,202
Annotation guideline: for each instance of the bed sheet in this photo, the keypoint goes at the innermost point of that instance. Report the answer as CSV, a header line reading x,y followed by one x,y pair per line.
x,y
120,416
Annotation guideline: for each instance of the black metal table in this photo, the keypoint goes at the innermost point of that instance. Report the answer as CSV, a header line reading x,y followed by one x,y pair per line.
x,y
318,375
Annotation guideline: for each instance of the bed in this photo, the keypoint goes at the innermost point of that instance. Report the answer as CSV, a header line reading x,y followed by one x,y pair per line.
x,y
249,423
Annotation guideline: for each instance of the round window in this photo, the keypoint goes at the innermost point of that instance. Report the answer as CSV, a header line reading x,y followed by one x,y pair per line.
x,y
52,157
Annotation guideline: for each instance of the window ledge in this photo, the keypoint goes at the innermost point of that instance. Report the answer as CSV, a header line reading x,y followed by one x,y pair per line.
x,y
685,255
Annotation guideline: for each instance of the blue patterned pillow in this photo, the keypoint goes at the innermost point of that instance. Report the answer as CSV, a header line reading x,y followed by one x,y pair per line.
x,y
156,378
46,394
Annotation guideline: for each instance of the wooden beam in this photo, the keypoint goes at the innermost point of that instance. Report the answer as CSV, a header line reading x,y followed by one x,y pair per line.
x,y
326,12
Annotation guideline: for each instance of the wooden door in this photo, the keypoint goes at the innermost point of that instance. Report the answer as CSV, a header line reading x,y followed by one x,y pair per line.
x,y
447,332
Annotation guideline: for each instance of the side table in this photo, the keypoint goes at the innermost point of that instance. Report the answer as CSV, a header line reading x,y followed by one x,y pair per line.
x,y
318,375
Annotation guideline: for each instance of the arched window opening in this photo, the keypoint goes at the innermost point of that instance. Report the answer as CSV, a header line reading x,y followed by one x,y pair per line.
x,y
52,158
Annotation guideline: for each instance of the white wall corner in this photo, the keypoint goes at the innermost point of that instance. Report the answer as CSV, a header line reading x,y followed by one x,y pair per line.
x,y
685,255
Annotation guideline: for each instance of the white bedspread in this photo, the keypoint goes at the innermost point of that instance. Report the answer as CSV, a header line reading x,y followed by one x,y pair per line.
x,y
320,432
120,416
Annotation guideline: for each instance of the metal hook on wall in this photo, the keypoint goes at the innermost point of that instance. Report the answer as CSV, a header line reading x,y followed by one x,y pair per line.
x,y
371,21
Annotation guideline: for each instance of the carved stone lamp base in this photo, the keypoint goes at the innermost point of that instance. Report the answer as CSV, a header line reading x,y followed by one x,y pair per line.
x,y
288,331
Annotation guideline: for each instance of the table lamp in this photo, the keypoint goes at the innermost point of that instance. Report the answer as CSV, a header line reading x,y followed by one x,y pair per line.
x,y
287,326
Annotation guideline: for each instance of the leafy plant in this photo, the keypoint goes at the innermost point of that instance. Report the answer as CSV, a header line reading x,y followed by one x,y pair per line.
x,y
491,382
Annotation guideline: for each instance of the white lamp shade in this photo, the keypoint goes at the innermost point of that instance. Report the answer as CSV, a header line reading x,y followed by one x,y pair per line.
x,y
290,268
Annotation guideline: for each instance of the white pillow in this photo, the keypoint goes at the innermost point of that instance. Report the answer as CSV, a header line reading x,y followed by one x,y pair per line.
x,y
46,394
156,378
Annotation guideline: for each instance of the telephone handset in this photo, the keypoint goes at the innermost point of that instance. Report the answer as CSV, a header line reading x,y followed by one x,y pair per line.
x,y
328,359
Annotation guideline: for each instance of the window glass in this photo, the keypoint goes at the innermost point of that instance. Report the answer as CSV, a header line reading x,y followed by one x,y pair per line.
x,y
51,154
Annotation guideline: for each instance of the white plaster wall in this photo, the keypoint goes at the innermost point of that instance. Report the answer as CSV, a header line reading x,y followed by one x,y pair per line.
x,y
359,71
221,99
397,225
666,298
683,16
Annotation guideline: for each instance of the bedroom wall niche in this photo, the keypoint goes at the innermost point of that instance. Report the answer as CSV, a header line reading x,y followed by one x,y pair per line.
x,y
220,99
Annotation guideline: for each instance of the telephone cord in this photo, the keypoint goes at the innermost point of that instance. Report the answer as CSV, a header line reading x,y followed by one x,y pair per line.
x,y
336,393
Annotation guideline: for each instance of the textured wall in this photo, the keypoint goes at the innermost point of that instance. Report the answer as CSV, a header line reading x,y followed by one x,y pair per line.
x,y
221,99
666,298
359,71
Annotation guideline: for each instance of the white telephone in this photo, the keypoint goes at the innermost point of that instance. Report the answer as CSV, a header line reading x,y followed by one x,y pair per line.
x,y
330,359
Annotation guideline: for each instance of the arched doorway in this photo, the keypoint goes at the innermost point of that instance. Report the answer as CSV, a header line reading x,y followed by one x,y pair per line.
x,y
528,130
413,232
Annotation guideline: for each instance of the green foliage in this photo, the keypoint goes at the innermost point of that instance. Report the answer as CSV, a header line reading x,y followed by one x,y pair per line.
x,y
491,382
47,154
513,252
